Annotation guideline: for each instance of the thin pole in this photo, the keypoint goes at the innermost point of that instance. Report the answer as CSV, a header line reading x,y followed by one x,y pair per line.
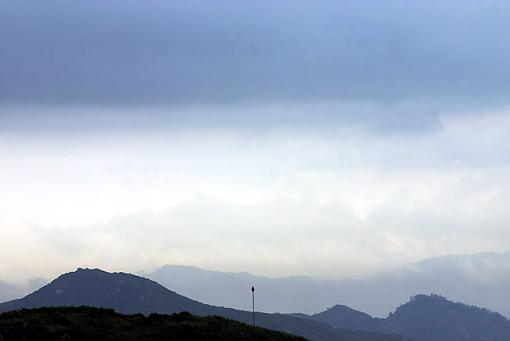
x,y
253,304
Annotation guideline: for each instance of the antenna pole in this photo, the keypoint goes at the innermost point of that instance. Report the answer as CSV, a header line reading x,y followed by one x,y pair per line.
x,y
253,304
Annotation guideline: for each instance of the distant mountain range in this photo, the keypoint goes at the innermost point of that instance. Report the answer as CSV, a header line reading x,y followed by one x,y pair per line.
x,y
131,294
482,280
423,318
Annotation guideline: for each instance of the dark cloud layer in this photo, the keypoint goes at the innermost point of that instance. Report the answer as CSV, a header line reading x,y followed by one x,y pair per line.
x,y
187,52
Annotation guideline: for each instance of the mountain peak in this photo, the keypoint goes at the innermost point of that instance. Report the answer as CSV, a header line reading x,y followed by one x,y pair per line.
x,y
86,272
341,316
124,292
433,317
433,298
432,301
89,270
340,308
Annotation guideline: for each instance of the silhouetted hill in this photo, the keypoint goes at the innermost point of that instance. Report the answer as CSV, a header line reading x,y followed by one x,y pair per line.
x,y
340,316
96,288
130,294
86,323
426,318
434,318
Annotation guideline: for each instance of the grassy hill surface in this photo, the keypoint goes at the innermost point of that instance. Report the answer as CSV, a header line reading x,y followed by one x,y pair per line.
x,y
87,323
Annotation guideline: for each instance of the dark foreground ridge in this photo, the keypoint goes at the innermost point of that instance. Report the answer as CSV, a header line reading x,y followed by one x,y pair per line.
x,y
86,323
130,294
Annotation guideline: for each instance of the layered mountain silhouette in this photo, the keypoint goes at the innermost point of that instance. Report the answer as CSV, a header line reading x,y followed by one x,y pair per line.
x,y
481,279
426,318
423,318
130,294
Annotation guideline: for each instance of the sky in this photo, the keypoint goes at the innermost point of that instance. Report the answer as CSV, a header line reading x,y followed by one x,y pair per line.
x,y
324,138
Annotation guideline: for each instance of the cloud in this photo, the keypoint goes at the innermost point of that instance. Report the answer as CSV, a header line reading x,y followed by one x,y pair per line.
x,y
378,118
182,52
281,200
274,137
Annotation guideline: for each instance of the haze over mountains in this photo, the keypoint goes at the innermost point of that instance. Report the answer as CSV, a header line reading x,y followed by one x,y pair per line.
x,y
9,291
481,279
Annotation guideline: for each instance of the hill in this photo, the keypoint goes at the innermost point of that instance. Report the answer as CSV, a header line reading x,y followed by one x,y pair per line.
x,y
340,316
130,294
86,323
426,318
434,318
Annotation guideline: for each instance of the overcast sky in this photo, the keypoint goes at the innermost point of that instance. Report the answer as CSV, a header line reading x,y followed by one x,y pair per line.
x,y
328,138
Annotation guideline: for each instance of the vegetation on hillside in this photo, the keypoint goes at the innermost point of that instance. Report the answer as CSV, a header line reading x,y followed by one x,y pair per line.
x,y
86,323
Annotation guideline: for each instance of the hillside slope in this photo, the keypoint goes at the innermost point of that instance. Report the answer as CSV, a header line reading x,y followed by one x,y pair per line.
x,y
86,323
